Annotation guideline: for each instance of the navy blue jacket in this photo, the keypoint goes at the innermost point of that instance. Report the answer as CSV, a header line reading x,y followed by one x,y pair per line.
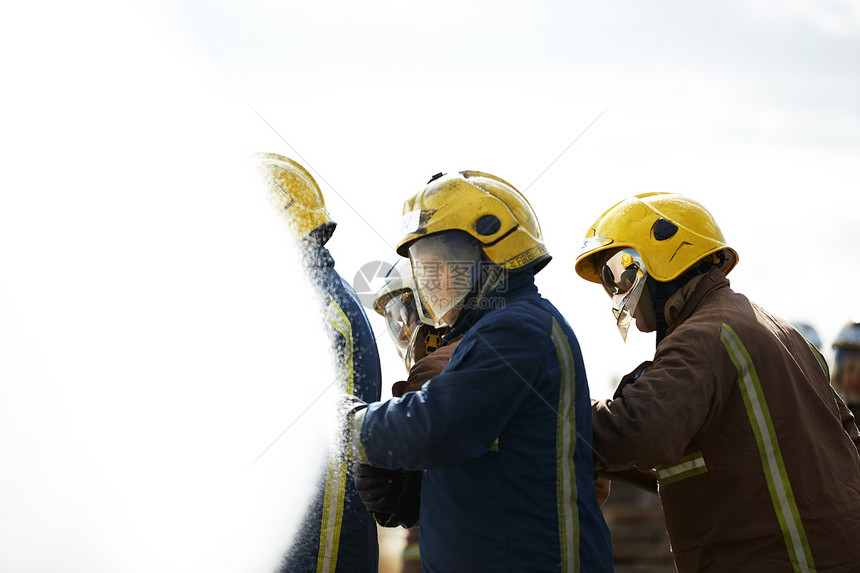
x,y
504,437
340,536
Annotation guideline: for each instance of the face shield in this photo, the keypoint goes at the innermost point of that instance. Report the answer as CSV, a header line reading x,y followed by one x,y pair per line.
x,y
446,267
413,335
623,277
402,320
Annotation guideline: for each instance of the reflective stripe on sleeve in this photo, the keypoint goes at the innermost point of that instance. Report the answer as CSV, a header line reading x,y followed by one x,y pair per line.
x,y
340,322
691,465
335,482
568,517
778,484
355,449
820,357
332,518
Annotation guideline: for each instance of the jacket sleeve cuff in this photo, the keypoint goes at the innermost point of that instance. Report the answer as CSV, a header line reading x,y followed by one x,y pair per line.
x,y
355,449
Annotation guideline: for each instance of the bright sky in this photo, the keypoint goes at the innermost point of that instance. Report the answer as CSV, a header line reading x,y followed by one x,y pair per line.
x,y
753,108
153,332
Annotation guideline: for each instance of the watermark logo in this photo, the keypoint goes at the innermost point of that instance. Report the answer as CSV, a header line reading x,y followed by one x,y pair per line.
x,y
456,276
443,283
370,278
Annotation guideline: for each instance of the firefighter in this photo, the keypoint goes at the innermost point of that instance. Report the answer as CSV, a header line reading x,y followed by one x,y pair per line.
x,y
756,456
503,434
846,369
337,534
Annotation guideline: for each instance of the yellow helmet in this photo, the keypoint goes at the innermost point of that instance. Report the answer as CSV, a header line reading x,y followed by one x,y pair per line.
x,y
486,207
670,232
296,195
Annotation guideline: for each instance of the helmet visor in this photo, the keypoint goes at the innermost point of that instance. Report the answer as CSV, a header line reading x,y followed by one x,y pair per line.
x,y
623,278
446,266
401,320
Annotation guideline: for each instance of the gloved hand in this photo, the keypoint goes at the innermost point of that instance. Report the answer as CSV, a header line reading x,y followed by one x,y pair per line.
x,y
379,489
392,496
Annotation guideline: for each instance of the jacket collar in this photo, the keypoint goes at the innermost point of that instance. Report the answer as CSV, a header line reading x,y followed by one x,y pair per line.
x,y
515,285
711,281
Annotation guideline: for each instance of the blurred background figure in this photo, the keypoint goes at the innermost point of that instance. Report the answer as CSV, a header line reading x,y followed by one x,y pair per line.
x,y
337,534
846,368
809,333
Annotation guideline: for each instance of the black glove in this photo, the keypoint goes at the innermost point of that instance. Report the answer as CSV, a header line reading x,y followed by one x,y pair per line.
x,y
391,496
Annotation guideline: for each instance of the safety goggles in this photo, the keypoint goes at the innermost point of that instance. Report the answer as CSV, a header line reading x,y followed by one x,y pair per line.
x,y
402,320
623,278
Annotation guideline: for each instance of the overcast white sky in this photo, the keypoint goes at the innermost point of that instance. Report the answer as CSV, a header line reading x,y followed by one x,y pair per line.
x,y
153,331
753,108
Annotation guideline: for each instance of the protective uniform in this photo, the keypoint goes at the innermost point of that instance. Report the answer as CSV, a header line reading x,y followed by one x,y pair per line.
x,y
337,534
504,432
341,536
756,456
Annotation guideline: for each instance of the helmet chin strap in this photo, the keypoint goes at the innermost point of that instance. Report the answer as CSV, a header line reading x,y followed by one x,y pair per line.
x,y
660,293
491,276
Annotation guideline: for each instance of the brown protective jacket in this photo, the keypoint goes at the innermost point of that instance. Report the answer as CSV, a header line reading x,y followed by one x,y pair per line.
x,y
425,369
757,456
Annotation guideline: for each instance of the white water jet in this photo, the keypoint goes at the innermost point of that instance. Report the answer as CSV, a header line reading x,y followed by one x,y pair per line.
x,y
156,330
